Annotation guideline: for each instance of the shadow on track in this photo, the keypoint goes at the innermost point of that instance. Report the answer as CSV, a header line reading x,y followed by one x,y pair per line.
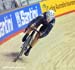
x,y
13,55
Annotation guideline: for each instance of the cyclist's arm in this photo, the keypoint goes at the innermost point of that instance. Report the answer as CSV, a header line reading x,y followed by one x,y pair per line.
x,y
29,24
35,21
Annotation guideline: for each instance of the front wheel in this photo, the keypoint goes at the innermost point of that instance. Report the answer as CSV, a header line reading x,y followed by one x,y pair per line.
x,y
24,48
21,52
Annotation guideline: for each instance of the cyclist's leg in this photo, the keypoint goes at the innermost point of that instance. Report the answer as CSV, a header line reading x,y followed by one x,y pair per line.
x,y
34,41
32,44
42,33
27,33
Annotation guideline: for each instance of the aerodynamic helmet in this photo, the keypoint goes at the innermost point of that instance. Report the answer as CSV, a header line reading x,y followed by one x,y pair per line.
x,y
50,14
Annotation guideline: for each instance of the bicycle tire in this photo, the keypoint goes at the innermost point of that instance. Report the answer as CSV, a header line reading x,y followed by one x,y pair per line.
x,y
20,54
26,43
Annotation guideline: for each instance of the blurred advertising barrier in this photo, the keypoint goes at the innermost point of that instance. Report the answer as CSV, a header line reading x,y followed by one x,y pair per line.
x,y
60,6
16,20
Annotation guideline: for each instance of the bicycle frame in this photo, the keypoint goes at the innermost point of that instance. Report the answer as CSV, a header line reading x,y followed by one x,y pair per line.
x,y
26,43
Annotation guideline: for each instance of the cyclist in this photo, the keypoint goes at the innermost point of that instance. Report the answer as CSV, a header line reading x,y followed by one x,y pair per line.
x,y
46,21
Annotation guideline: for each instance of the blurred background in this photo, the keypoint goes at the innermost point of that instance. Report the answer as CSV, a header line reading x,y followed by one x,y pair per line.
x,y
11,4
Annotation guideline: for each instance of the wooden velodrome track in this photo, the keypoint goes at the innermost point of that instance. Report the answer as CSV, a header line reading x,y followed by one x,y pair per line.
x,y
54,52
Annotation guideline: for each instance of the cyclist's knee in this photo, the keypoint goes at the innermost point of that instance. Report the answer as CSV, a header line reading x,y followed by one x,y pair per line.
x,y
37,36
42,35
